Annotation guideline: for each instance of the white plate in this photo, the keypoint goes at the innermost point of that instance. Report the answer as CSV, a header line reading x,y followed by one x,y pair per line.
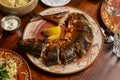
x,y
55,2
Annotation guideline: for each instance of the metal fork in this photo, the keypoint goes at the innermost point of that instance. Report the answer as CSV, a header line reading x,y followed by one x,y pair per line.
x,y
108,36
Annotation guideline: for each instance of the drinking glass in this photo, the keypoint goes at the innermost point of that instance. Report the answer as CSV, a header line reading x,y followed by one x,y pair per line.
x,y
112,7
116,46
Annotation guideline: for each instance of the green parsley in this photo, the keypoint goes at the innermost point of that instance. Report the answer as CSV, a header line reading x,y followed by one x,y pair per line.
x,y
3,73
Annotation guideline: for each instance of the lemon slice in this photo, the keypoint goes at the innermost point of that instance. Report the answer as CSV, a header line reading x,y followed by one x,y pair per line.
x,y
52,33
53,37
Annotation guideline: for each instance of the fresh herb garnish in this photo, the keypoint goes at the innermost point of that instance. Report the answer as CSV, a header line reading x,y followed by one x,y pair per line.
x,y
3,73
3,65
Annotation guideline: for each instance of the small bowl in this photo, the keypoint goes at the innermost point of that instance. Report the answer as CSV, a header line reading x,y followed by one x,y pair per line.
x,y
55,3
10,23
19,11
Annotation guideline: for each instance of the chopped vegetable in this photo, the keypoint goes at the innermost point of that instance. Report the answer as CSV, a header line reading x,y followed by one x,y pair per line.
x,y
8,69
3,72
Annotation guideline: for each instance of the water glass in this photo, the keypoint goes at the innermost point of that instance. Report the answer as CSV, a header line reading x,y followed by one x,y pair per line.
x,y
112,7
116,46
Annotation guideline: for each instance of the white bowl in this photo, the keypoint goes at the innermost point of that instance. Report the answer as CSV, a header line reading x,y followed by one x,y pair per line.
x,y
55,2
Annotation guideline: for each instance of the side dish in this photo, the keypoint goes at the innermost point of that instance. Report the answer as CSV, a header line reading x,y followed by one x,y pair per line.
x,y
10,23
8,69
14,3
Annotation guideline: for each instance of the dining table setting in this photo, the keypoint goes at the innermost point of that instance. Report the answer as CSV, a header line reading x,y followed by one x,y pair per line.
x,y
59,40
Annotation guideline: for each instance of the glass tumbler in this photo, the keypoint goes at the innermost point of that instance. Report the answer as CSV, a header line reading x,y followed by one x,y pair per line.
x,y
116,46
112,7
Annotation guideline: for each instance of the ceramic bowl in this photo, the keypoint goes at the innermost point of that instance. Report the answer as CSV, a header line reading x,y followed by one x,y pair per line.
x,y
19,11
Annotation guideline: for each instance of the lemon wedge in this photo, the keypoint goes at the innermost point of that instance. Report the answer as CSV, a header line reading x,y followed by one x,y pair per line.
x,y
52,33
53,37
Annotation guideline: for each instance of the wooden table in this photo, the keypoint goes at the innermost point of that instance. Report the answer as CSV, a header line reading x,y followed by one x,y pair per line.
x,y
105,67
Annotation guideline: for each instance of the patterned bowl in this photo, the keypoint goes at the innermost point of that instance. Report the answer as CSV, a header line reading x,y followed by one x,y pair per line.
x,y
19,11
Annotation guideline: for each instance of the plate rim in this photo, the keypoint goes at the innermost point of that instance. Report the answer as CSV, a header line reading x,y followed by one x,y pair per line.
x,y
48,4
1,32
76,70
112,27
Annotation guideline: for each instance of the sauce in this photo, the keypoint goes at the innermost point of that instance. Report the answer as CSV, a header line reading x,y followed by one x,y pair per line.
x,y
10,23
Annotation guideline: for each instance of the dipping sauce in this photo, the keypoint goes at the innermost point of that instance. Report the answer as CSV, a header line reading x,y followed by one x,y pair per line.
x,y
10,23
